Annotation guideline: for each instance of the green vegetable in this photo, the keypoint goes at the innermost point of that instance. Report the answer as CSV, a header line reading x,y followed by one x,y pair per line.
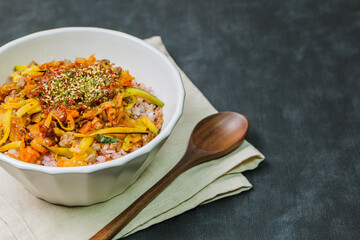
x,y
144,94
106,139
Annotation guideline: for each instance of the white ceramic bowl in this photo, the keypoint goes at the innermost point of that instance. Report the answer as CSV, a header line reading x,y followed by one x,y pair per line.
x,y
96,183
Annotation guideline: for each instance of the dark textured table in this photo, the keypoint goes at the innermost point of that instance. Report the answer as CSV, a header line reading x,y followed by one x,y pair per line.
x,y
291,66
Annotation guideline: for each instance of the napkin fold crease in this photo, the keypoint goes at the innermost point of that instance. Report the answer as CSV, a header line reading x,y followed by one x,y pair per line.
x,y
23,216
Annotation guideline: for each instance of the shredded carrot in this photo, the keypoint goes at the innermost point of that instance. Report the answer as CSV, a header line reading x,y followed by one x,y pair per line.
x,y
98,110
111,114
87,127
118,99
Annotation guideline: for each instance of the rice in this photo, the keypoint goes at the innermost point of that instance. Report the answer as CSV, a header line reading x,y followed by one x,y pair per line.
x,y
48,159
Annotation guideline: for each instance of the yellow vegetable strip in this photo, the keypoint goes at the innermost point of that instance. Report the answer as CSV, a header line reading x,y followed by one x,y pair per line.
x,y
71,122
15,76
35,110
76,134
48,120
149,124
119,130
69,118
12,145
130,140
37,144
90,150
144,94
36,118
83,145
135,138
18,104
65,152
81,157
132,103
23,70
20,67
6,122
30,70
126,143
61,151
140,123
24,109
58,132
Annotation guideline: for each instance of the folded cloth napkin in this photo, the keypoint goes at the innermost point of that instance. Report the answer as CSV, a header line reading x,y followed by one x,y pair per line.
x,y
23,216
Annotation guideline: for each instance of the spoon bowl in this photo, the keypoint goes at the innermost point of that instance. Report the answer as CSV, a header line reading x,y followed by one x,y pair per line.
x,y
213,137
218,134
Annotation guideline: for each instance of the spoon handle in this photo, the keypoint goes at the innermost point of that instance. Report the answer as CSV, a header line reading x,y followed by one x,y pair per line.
x,y
213,137
119,222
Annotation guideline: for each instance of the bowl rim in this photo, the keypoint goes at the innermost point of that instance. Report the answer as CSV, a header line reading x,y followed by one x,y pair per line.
x,y
164,133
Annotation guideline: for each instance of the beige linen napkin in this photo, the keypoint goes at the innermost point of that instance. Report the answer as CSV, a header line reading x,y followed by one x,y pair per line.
x,y
23,216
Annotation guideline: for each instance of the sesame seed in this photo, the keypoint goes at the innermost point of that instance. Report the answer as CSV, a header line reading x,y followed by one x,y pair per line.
x,y
84,85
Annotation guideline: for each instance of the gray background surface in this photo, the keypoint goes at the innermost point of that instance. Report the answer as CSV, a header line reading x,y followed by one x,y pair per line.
x,y
291,66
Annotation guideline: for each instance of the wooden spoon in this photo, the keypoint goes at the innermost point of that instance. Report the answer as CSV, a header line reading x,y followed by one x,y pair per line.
x,y
213,137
